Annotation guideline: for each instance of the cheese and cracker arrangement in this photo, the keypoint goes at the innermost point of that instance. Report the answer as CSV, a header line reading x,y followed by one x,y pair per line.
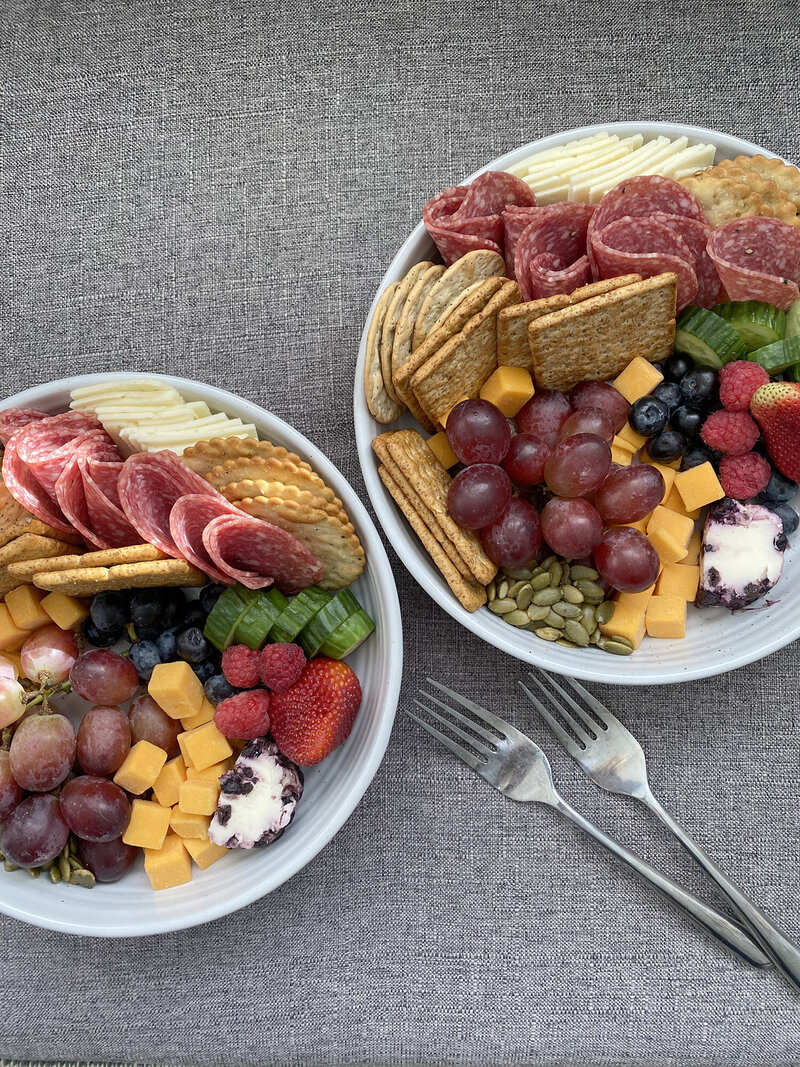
x,y
597,383
185,586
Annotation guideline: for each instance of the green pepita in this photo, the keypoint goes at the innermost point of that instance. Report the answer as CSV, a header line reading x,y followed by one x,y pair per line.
x,y
9,866
537,612
548,633
555,620
572,594
502,590
83,878
567,611
541,581
547,596
34,872
546,564
616,648
622,641
588,619
565,644
64,867
519,574
605,612
555,572
592,592
491,590
577,570
55,874
502,606
525,596
517,618
575,632
514,589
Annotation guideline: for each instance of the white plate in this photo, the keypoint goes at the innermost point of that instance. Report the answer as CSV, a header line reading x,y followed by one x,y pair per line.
x,y
130,908
716,640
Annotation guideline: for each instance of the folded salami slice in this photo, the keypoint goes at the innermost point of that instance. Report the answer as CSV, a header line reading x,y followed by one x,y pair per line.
x,y
46,466
710,290
72,501
256,553
26,490
105,518
758,258
188,519
551,251
642,246
105,475
515,220
492,192
14,419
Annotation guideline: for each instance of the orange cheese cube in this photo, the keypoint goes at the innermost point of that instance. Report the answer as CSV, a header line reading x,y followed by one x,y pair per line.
x,y
666,617
632,440
680,526
66,611
177,689
14,659
640,524
199,796
627,621
440,447
624,444
460,400
509,389
692,557
621,455
639,600
699,486
186,824
11,637
669,548
205,714
167,787
148,824
141,767
678,579
212,773
25,605
668,474
674,501
169,865
638,379
203,746
204,853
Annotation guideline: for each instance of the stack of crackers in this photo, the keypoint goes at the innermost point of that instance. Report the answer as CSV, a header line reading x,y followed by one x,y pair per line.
x,y
134,567
433,337
747,185
270,483
24,537
419,484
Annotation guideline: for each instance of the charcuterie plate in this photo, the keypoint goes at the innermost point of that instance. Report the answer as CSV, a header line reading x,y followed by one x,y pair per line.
x,y
201,860
606,254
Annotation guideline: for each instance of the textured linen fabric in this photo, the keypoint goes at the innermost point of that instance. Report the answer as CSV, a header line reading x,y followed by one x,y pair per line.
x,y
215,189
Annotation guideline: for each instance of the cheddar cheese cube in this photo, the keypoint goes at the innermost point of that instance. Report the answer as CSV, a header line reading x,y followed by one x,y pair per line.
x,y
692,557
203,746
630,439
65,611
440,447
639,600
11,637
148,824
212,773
177,689
167,787
199,796
204,853
187,824
621,456
680,526
141,767
679,579
674,501
205,714
640,524
509,389
627,621
14,659
667,545
668,474
169,865
25,605
666,616
638,379
624,444
460,400
699,486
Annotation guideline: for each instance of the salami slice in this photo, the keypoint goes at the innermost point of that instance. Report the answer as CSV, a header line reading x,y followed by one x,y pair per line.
x,y
710,290
188,519
492,192
642,246
256,553
26,490
105,475
72,501
105,518
551,252
14,419
758,258
46,466
515,220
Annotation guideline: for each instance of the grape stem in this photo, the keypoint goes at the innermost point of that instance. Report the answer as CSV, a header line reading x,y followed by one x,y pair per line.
x,y
44,694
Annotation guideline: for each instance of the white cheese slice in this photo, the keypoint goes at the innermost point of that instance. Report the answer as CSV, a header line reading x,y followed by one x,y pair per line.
x,y
598,157
696,157
574,148
656,165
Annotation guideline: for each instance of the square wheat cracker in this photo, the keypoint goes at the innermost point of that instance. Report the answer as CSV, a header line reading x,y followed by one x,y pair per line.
x,y
86,581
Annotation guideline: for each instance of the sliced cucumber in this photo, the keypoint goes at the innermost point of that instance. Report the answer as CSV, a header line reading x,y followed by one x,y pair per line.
x,y
793,320
757,323
707,338
338,609
298,613
348,636
255,625
778,357
226,615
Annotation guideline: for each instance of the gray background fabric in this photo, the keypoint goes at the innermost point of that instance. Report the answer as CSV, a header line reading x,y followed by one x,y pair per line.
x,y
215,189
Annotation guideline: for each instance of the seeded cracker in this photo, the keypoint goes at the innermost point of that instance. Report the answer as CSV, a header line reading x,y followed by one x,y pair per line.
x,y
473,267
33,546
206,455
104,557
248,488
261,468
403,335
392,318
86,581
381,405
785,176
723,198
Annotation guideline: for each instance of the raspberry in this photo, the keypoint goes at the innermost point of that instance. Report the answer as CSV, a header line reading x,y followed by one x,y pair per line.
x,y
240,667
738,382
245,715
744,476
733,432
281,666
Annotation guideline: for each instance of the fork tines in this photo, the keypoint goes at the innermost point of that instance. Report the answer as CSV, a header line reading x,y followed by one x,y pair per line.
x,y
477,723
585,728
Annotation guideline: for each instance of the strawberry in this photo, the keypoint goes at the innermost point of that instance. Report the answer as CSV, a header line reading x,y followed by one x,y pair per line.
x,y
776,409
315,715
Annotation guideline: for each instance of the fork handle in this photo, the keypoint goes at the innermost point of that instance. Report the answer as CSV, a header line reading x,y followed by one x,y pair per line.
x,y
729,933
784,953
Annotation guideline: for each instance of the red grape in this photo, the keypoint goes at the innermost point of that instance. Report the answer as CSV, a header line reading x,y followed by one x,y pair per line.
x,y
42,752
526,458
107,860
626,560
104,677
104,740
544,415
603,396
578,465
629,493
571,527
478,432
12,701
48,654
514,539
35,832
10,790
151,723
588,420
94,808
478,495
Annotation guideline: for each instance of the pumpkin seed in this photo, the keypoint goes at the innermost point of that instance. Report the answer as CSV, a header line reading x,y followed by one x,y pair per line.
x,y
491,590
576,633
537,612
9,866
588,620
519,574
616,648
64,868
514,589
83,878
578,570
525,596
540,581
604,612
555,620
55,874
34,872
502,590
547,633
592,592
622,641
546,564
75,863
572,594
565,644
517,618
567,611
502,606
547,596
554,570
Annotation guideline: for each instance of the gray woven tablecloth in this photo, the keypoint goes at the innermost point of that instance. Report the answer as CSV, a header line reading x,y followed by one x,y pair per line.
x,y
215,189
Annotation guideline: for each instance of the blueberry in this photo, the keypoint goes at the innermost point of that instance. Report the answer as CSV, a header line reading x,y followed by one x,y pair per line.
x,y
648,416
218,688
659,366
173,608
146,611
676,367
167,646
144,656
687,420
209,595
670,393
191,645
779,488
99,638
194,617
109,612
694,456
666,446
787,515
204,670
700,386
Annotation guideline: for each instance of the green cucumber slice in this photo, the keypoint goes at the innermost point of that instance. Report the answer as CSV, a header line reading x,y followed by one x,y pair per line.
x,y
226,615
348,636
778,357
707,338
298,613
793,320
757,323
335,612
255,625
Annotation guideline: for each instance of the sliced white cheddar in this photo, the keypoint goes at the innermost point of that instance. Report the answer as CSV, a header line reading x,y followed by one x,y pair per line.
x,y
573,148
697,157
654,166
88,395
598,156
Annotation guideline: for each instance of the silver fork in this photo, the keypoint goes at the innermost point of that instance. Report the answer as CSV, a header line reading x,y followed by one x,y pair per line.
x,y
614,760
512,763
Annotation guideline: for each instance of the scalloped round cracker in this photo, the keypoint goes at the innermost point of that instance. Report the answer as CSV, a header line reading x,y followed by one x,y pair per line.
x,y
262,468
247,489
206,455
